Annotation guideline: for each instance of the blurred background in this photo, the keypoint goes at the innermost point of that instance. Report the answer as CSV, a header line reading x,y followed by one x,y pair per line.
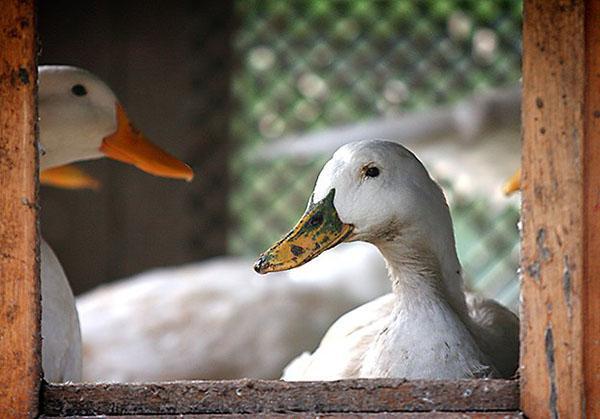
x,y
171,65
256,96
421,72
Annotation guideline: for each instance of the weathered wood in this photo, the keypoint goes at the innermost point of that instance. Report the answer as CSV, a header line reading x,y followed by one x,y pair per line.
x,y
19,271
590,292
561,204
257,396
351,415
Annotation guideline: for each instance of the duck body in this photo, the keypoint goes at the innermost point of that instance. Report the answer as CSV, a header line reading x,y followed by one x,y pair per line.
x,y
61,336
377,191
81,119
63,126
382,341
430,342
217,319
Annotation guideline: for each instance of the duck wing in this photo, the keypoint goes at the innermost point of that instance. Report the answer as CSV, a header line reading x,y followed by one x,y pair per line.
x,y
498,332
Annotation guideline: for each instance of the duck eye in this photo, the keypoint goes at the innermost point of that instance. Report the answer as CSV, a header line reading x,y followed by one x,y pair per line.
x,y
79,90
372,172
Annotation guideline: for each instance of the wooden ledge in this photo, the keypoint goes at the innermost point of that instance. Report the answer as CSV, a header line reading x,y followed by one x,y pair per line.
x,y
314,415
270,397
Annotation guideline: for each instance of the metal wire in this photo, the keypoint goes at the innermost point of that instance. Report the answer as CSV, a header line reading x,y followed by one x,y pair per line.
x,y
307,64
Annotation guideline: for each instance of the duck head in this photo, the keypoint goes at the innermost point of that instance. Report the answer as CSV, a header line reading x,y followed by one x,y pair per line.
x,y
81,119
374,191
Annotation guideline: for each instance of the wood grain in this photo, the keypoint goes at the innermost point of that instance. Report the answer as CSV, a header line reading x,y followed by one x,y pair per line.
x,y
561,244
267,397
590,292
19,271
351,415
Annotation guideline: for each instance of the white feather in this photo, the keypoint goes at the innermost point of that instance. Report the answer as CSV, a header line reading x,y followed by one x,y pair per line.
x,y
426,328
218,319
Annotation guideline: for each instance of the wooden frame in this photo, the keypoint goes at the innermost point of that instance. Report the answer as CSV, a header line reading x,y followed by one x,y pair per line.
x,y
253,397
560,263
560,331
19,247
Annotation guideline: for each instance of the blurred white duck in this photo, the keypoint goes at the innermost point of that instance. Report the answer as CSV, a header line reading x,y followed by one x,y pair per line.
x,y
218,319
379,192
81,119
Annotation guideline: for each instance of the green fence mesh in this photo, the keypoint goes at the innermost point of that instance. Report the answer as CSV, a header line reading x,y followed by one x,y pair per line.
x,y
308,64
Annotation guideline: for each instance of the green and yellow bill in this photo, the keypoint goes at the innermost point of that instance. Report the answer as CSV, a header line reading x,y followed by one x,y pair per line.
x,y
319,229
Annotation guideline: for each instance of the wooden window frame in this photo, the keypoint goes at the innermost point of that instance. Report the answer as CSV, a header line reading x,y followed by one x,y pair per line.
x,y
560,263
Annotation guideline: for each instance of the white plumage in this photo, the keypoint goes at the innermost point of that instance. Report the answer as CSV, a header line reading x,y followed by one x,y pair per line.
x,y
68,132
79,117
218,319
61,337
426,328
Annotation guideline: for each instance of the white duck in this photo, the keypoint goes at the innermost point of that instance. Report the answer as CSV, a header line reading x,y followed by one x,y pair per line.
x,y
379,192
218,319
81,119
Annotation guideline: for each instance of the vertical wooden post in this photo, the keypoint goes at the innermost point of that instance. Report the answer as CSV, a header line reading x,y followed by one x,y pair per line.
x,y
591,286
560,331
19,270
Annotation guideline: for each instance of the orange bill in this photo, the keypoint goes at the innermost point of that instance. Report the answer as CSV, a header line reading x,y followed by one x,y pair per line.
x,y
513,184
68,177
128,145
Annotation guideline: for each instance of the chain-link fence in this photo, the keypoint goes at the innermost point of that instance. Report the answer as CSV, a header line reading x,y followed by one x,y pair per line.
x,y
305,65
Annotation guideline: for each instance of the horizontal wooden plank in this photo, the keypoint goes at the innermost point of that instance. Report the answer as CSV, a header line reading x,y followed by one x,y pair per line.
x,y
258,396
351,415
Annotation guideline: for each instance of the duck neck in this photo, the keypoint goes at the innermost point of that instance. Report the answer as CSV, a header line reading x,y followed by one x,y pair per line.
x,y
424,273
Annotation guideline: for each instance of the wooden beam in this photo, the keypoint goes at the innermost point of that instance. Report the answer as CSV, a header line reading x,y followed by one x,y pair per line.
x,y
19,270
259,397
560,329
352,415
591,287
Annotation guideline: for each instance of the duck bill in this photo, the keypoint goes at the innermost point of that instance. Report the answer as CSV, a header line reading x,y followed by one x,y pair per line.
x,y
68,177
128,145
319,229
513,184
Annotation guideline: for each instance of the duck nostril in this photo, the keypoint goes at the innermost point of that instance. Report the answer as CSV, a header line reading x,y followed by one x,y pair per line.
x,y
316,220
